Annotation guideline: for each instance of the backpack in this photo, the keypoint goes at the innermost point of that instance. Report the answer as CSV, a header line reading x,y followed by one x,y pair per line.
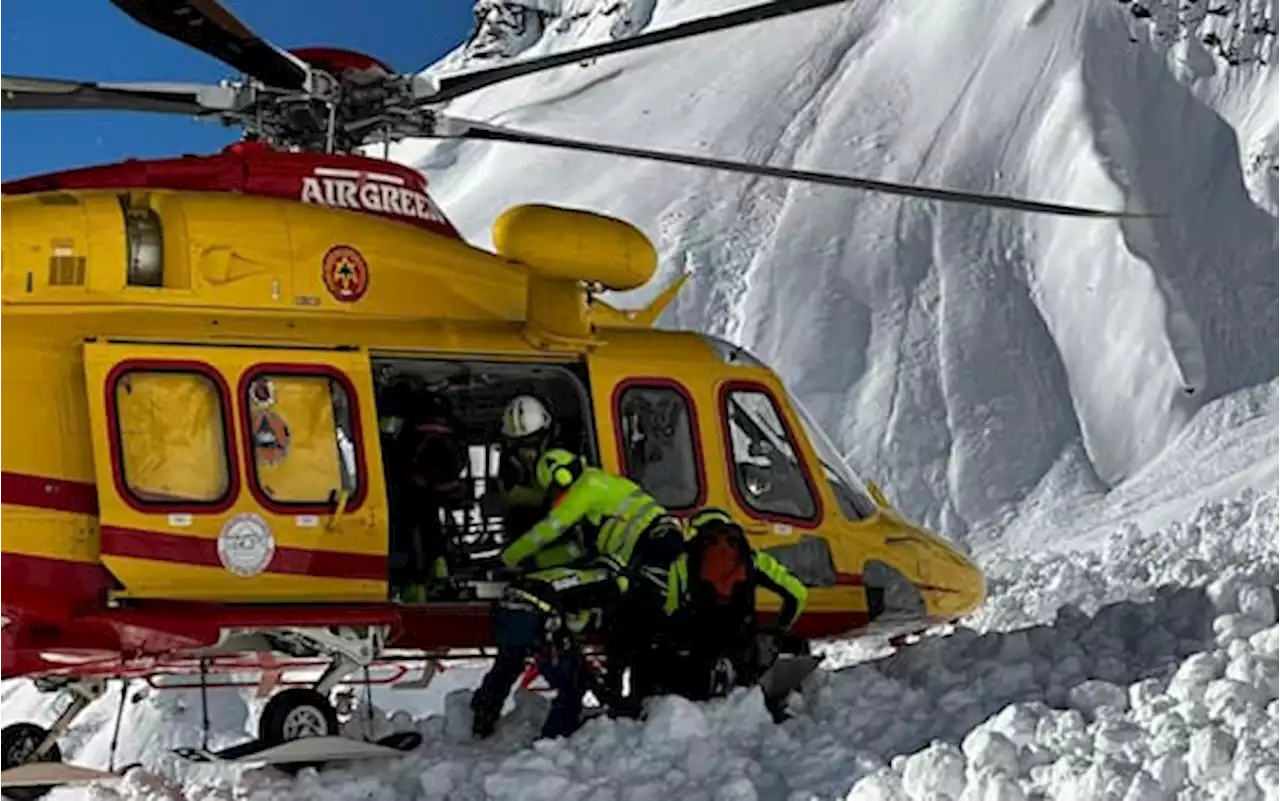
x,y
721,567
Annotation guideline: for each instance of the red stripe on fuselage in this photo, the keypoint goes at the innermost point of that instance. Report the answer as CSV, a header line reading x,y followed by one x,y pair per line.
x,y
58,494
80,497
202,551
49,589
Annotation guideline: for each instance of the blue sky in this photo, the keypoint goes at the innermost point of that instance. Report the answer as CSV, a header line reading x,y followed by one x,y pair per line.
x,y
93,40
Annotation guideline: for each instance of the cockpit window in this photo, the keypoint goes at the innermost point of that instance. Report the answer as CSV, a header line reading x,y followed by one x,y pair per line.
x,y
855,501
767,472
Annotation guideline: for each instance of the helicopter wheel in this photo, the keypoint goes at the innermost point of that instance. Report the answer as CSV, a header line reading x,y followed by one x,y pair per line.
x,y
17,742
294,714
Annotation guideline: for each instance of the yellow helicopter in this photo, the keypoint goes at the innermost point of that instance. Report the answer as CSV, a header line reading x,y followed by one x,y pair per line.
x,y
198,356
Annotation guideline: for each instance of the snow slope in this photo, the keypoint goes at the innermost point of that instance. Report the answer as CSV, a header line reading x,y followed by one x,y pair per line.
x,y
960,355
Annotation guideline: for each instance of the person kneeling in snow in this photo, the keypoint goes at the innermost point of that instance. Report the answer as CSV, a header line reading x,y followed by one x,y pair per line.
x,y
626,544
711,618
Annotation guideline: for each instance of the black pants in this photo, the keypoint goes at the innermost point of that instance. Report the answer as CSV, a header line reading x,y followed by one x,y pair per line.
x,y
540,616
417,540
633,641
693,643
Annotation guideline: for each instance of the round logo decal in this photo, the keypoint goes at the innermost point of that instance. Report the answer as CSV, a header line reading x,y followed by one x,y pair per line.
x,y
245,545
262,392
346,274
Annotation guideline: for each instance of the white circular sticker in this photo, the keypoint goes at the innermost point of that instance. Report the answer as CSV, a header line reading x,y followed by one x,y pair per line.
x,y
245,545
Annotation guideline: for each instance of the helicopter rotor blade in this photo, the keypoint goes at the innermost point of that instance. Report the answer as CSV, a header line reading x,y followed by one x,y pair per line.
x,y
210,28
46,94
448,87
457,128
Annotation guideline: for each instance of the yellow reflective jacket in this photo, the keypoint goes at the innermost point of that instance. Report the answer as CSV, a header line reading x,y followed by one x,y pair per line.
x,y
768,573
613,509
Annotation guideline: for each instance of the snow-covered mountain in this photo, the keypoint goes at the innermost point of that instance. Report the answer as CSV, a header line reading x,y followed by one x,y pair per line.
x,y
961,356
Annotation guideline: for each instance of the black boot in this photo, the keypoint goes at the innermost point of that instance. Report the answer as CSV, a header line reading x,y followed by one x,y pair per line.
x,y
564,674
487,701
485,716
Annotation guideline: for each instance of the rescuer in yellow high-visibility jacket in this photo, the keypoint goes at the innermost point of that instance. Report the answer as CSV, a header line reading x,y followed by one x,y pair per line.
x,y
709,533
710,612
627,543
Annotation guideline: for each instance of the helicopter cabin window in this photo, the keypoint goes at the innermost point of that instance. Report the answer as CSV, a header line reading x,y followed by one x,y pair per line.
x,y
855,502
171,440
302,439
769,478
658,440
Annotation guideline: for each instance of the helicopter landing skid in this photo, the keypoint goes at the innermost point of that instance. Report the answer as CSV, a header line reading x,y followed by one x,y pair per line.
x,y
35,779
306,751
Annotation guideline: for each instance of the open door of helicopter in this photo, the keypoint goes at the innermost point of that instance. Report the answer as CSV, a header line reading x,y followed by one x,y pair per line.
x,y
436,413
229,473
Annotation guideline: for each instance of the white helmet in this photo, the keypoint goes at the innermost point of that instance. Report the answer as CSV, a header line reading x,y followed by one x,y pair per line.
x,y
525,416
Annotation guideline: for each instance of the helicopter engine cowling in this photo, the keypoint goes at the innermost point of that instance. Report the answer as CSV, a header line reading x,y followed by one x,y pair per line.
x,y
567,254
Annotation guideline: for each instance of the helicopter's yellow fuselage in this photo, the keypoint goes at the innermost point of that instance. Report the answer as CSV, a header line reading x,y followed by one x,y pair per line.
x,y
243,285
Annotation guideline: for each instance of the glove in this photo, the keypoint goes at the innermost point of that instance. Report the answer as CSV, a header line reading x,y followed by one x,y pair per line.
x,y
722,676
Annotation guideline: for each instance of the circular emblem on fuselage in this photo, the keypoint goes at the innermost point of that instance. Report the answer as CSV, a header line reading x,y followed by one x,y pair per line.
x,y
346,273
245,545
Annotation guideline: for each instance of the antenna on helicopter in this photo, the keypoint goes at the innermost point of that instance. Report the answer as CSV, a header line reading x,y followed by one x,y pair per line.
x,y
330,100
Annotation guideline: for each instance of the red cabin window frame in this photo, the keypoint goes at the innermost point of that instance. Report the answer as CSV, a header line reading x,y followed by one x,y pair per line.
x,y
225,406
658,382
256,371
722,401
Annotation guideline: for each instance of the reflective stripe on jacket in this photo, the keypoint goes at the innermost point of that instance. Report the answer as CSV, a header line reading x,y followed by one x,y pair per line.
x,y
615,508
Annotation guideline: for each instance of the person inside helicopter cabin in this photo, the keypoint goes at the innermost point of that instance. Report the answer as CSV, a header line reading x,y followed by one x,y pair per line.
x,y
710,635
527,431
427,458
627,542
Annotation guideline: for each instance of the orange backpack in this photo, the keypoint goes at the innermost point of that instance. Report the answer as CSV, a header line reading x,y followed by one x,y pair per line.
x,y
722,564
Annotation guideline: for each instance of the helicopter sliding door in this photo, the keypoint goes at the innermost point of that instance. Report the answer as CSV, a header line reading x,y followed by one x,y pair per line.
x,y
237,473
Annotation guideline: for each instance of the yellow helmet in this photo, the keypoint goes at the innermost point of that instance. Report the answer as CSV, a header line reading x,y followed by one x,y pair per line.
x,y
708,516
558,468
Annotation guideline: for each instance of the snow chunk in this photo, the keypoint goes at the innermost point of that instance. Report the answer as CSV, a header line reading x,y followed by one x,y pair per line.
x,y
939,769
986,749
672,718
1258,603
880,786
1210,756
1092,695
